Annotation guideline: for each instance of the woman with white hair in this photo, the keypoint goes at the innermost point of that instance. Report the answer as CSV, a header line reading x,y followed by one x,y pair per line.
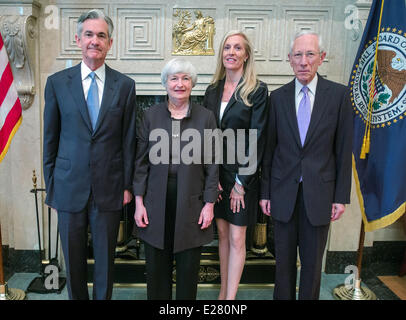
x,y
174,198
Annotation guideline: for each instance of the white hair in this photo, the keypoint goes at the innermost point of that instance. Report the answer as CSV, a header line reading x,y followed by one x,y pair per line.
x,y
178,65
304,32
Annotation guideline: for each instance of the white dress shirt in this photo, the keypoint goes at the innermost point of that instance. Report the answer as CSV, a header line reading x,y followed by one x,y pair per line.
x,y
222,108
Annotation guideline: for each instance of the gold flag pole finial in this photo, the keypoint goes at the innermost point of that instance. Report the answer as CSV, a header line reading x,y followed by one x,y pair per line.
x,y
34,179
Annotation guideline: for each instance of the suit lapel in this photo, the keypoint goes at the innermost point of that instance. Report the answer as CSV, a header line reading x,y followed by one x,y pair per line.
x,y
319,107
108,95
76,89
291,110
219,93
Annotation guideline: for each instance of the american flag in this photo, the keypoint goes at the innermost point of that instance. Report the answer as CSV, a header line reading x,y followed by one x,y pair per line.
x,y
10,106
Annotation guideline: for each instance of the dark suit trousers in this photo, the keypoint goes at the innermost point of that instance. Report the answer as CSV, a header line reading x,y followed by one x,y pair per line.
x,y
311,240
73,228
159,262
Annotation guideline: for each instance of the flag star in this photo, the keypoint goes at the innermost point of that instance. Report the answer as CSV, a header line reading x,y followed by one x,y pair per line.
x,y
394,30
395,120
383,125
383,29
389,123
401,117
388,29
400,32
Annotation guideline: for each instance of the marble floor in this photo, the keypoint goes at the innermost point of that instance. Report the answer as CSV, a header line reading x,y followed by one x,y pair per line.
x,y
246,292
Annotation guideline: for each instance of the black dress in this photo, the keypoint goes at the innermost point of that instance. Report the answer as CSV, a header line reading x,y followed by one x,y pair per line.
x,y
238,115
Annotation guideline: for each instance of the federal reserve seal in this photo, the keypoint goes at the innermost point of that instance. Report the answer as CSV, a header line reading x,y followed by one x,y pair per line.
x,y
389,94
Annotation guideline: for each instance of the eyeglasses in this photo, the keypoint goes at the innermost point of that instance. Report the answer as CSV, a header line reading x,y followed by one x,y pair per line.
x,y
309,55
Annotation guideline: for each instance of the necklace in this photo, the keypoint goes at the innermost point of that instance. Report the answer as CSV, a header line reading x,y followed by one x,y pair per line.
x,y
229,88
178,112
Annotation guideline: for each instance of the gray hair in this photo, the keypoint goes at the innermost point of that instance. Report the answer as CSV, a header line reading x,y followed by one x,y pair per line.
x,y
178,65
304,32
94,14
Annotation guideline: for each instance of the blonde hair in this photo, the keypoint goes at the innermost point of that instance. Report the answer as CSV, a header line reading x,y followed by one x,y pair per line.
x,y
249,83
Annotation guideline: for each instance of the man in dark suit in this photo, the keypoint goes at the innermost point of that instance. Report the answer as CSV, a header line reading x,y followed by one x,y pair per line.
x,y
306,172
89,146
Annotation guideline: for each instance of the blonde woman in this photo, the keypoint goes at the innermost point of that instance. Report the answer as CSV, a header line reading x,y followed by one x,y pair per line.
x,y
239,101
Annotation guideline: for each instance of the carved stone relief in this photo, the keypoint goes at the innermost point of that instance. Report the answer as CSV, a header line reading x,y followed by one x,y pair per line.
x,y
192,38
19,34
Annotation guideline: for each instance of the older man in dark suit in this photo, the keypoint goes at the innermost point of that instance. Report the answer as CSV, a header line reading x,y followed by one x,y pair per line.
x,y
306,173
89,146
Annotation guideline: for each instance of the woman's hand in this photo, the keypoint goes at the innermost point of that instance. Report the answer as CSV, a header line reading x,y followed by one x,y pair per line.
x,y
206,215
127,197
220,190
140,215
237,198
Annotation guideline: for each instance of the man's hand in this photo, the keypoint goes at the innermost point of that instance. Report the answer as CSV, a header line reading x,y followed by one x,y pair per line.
x,y
336,211
265,206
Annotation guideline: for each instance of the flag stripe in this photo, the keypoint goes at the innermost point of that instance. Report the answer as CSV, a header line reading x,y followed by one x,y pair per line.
x,y
10,105
7,104
3,59
6,80
12,118
15,128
